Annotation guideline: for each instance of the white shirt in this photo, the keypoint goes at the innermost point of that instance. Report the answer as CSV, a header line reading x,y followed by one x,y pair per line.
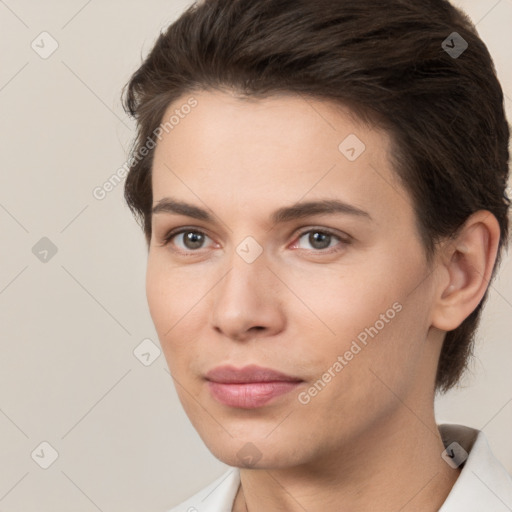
x,y
483,484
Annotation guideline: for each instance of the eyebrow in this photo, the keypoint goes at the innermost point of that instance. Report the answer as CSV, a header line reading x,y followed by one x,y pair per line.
x,y
281,215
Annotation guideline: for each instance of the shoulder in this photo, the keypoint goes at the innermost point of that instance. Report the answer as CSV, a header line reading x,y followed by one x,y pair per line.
x,y
217,496
483,483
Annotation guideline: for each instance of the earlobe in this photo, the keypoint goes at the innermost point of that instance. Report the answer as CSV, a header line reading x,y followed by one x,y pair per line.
x,y
466,264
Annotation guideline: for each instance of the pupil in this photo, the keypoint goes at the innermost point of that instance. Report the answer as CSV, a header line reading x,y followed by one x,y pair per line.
x,y
319,240
193,240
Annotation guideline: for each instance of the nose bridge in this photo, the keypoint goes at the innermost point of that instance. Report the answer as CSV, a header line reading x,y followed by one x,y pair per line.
x,y
244,298
244,280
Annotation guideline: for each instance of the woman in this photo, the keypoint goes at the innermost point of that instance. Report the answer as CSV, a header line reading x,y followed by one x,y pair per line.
x,y
324,209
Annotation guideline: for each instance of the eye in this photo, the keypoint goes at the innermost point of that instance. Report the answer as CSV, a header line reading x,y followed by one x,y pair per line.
x,y
187,239
319,240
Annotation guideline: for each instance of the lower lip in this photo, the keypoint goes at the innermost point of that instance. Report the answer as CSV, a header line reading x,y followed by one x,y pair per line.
x,y
250,395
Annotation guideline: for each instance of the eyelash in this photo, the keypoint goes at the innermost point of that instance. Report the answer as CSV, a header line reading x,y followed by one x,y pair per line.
x,y
343,240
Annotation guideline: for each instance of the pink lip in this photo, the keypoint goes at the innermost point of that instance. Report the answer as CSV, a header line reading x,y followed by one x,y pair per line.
x,y
249,387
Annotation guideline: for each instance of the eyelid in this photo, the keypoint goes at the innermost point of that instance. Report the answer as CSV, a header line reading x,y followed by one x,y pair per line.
x,y
169,235
343,238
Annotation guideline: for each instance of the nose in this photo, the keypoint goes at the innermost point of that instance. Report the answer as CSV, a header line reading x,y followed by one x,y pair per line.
x,y
246,302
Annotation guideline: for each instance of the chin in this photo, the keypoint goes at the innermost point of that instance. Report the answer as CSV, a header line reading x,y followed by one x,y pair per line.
x,y
254,452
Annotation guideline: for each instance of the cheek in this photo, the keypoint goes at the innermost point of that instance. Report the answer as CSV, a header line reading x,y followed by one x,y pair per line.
x,y
358,368
342,303
157,294
387,347
171,306
171,294
366,313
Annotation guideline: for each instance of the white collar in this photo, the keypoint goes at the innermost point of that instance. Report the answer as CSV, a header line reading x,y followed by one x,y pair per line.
x,y
483,483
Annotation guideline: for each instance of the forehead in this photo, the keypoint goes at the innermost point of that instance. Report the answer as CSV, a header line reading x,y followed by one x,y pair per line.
x,y
266,152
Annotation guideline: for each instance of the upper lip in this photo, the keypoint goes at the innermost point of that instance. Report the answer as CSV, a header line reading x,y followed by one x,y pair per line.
x,y
252,373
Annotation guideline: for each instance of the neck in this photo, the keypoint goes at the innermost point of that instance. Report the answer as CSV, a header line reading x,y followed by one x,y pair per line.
x,y
395,467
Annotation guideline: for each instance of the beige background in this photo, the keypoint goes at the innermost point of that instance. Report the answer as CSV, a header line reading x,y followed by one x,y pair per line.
x,y
69,327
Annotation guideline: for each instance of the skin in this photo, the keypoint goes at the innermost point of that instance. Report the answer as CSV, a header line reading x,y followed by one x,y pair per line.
x,y
368,440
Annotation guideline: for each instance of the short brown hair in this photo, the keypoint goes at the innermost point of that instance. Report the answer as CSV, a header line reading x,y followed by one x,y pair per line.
x,y
386,61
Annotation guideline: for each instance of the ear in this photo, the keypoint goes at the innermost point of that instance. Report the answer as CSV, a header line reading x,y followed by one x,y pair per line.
x,y
464,268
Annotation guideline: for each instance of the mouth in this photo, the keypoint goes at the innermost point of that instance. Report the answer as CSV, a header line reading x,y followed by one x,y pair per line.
x,y
249,387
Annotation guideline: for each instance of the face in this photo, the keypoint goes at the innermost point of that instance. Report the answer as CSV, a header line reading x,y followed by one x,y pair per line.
x,y
282,240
